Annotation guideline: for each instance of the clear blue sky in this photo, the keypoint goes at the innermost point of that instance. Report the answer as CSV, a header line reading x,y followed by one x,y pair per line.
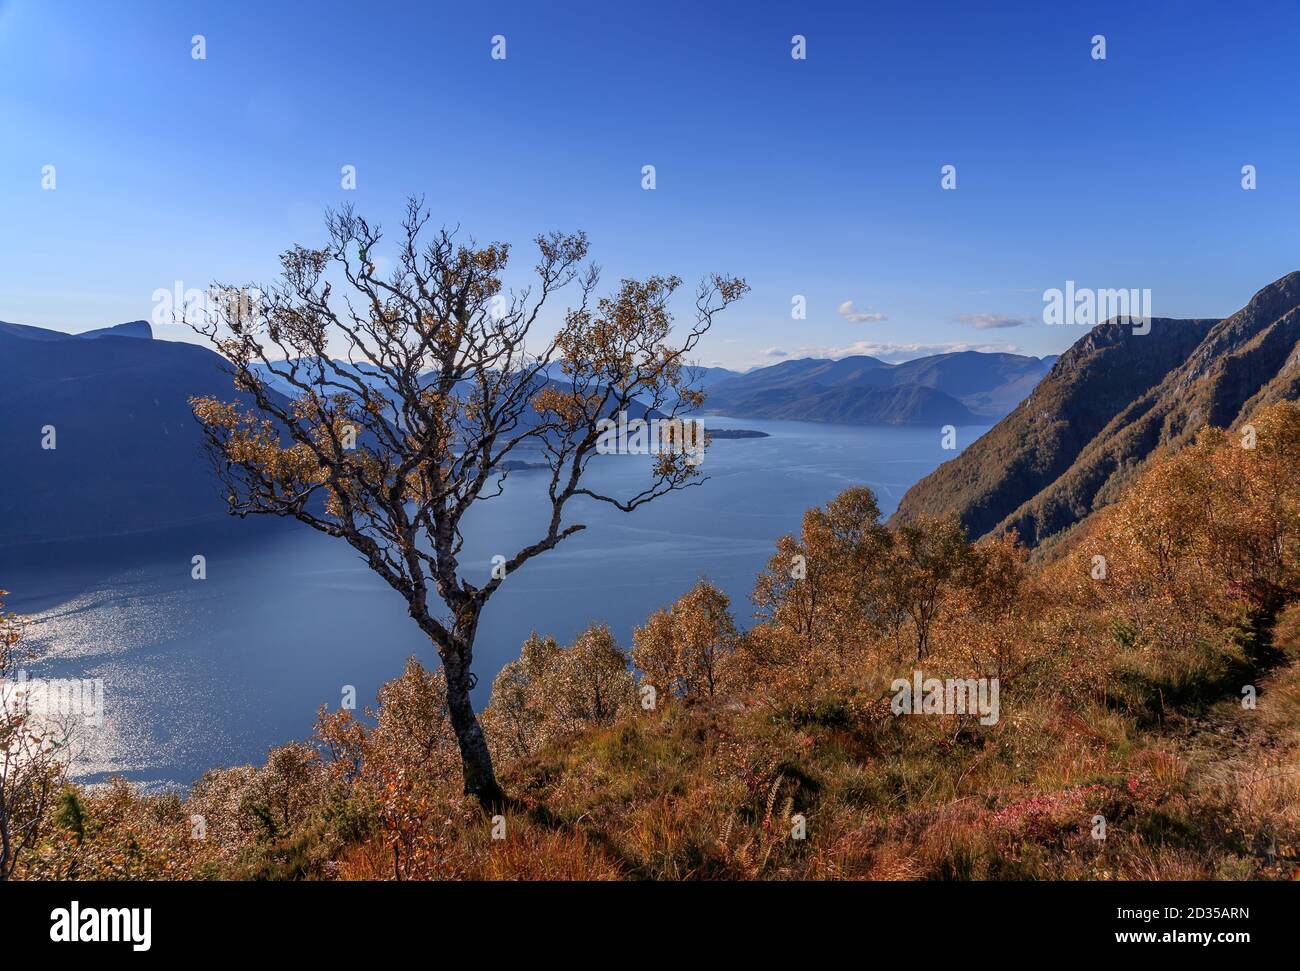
x,y
818,177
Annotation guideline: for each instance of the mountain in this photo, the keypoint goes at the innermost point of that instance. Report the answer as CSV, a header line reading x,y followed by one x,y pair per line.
x,y
850,405
135,328
807,371
961,388
708,377
128,452
1106,406
552,375
988,384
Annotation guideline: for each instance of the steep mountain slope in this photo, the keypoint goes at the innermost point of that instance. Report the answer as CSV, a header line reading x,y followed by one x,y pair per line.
x,y
128,452
1107,405
959,388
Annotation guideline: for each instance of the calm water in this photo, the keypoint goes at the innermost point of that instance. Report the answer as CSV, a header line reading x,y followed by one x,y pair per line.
x,y
201,674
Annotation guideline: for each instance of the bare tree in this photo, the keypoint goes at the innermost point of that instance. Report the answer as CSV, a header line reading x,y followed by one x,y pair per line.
x,y
412,389
33,761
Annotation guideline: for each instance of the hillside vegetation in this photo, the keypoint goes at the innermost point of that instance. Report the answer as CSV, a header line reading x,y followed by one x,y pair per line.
x,y
1149,694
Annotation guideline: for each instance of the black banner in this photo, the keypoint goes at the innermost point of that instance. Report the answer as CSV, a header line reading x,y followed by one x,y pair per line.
x,y
143,921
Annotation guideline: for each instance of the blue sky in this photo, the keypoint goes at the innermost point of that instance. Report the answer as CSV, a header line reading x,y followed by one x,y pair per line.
x,y
818,177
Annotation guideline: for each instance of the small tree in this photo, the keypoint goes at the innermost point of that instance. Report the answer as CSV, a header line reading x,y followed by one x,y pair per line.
x,y
927,560
684,648
518,715
590,683
829,588
33,765
411,390
996,605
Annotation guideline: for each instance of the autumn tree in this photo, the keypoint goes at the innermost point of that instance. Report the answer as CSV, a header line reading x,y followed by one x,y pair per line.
x,y
521,710
829,586
1251,526
401,764
1203,544
32,758
591,684
412,389
683,649
928,558
994,604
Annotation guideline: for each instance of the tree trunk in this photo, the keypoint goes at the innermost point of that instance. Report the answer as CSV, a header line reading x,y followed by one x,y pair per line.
x,y
475,758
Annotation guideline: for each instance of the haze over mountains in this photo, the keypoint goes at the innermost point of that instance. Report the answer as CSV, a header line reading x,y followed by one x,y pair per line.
x,y
1107,405
962,388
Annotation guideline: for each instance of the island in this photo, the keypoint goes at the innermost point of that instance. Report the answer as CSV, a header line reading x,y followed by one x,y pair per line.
x,y
736,433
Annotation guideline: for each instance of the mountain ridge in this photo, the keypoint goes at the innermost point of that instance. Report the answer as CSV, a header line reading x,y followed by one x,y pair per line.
x,y
959,388
116,402
1110,403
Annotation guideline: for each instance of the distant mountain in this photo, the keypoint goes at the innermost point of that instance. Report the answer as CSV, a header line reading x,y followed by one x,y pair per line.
x,y
990,385
906,405
128,452
1107,405
961,388
276,376
807,372
135,328
707,377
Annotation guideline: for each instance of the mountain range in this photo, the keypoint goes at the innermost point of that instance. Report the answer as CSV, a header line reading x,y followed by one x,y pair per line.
x,y
961,388
1110,402
129,454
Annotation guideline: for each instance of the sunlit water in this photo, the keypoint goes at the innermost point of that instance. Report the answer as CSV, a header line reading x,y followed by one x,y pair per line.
x,y
202,674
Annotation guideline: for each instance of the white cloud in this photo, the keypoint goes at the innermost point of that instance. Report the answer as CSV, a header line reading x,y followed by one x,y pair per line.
x,y
860,316
775,352
992,321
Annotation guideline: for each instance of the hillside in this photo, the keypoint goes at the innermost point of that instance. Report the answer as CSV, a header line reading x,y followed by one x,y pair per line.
x,y
128,452
783,752
1110,402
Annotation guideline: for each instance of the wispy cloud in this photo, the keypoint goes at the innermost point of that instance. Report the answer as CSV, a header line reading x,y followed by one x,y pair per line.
x,y
992,321
776,352
860,316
